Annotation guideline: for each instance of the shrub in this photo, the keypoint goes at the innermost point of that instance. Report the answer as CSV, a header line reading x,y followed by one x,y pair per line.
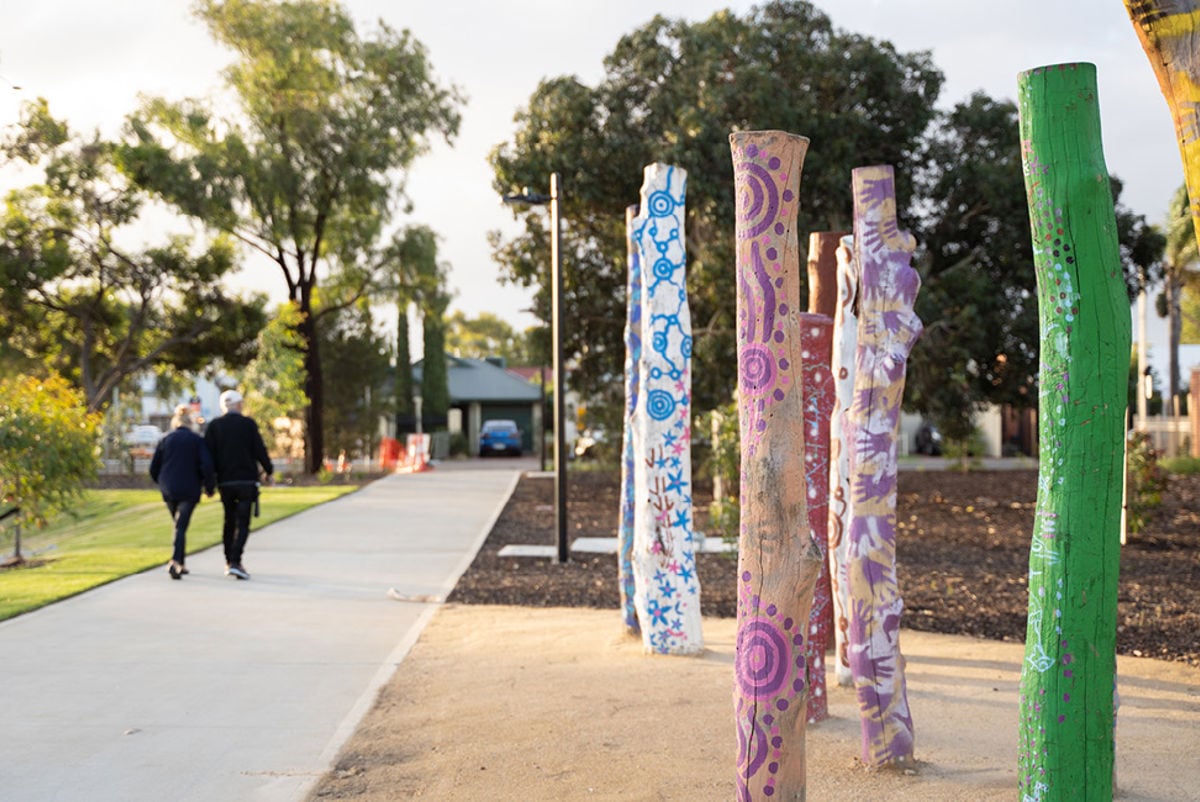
x,y
1181,466
1145,482
966,450
49,445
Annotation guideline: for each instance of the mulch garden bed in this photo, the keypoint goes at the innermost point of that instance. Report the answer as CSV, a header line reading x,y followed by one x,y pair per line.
x,y
962,558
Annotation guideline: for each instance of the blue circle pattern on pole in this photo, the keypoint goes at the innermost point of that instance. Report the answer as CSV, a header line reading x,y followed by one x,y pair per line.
x,y
665,393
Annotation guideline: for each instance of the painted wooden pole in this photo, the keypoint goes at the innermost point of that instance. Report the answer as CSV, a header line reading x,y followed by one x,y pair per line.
x,y
1194,410
1169,31
887,330
816,337
666,584
841,502
1067,681
822,272
778,563
633,355
816,342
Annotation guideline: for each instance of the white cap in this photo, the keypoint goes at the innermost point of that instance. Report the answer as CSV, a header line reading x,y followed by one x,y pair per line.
x,y
230,398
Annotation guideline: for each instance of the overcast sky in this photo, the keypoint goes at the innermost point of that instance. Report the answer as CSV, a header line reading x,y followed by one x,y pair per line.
x,y
91,60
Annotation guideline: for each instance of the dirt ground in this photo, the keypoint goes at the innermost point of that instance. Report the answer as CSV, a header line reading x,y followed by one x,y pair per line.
x,y
515,691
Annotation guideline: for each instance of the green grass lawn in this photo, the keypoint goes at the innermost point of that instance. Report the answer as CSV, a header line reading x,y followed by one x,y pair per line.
x,y
115,533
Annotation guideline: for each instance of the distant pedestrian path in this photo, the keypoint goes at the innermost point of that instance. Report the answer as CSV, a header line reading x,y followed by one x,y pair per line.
x,y
213,689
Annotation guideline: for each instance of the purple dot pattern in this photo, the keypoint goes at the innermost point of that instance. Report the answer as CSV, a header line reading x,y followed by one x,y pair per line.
x,y
771,678
769,675
764,207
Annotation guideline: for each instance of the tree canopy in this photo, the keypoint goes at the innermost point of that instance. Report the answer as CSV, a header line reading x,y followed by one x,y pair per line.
x,y
489,335
672,92
309,170
78,298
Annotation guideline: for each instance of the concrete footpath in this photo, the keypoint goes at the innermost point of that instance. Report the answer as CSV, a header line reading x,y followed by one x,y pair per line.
x,y
211,688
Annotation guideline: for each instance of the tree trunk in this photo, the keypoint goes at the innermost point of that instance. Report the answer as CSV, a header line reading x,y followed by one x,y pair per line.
x,y
666,585
841,502
1174,292
633,356
887,330
404,380
1067,681
314,423
778,562
819,391
1168,32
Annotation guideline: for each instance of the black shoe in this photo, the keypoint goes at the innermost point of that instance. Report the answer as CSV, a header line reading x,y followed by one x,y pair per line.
x,y
173,568
238,571
183,569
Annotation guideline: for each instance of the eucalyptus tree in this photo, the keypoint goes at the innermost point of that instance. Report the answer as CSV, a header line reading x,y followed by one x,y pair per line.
x,y
80,297
307,168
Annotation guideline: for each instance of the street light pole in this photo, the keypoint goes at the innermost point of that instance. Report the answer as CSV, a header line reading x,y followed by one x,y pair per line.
x,y
560,384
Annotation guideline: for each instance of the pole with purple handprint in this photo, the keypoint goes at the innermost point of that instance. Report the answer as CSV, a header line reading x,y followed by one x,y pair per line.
x,y
887,330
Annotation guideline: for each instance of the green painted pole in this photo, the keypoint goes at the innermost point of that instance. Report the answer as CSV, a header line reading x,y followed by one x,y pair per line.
x,y
1067,680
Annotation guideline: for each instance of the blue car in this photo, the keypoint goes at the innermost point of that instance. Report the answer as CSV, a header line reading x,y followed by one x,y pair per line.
x,y
499,437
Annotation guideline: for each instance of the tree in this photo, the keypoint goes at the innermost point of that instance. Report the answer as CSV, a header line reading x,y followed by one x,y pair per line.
x,y
672,92
415,280
435,386
484,336
1179,260
77,300
310,169
977,298
274,380
359,359
48,445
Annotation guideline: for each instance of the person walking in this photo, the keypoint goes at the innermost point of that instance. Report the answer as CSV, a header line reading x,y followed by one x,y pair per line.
x,y
181,467
239,452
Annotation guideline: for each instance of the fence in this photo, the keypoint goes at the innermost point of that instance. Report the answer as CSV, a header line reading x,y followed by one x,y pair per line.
x,y
1171,436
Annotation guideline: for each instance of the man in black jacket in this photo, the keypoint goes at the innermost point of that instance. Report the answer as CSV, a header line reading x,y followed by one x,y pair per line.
x,y
238,451
181,466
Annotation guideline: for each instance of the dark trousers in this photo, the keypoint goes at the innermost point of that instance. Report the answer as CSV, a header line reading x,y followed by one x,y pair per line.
x,y
181,513
238,500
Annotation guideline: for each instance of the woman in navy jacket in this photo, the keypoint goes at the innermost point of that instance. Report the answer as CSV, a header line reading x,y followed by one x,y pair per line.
x,y
181,466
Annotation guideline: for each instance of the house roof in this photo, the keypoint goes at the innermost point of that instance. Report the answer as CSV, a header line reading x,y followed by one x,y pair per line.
x,y
481,380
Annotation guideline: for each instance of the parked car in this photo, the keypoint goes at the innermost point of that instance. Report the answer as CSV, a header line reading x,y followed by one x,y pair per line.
x,y
928,440
499,437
